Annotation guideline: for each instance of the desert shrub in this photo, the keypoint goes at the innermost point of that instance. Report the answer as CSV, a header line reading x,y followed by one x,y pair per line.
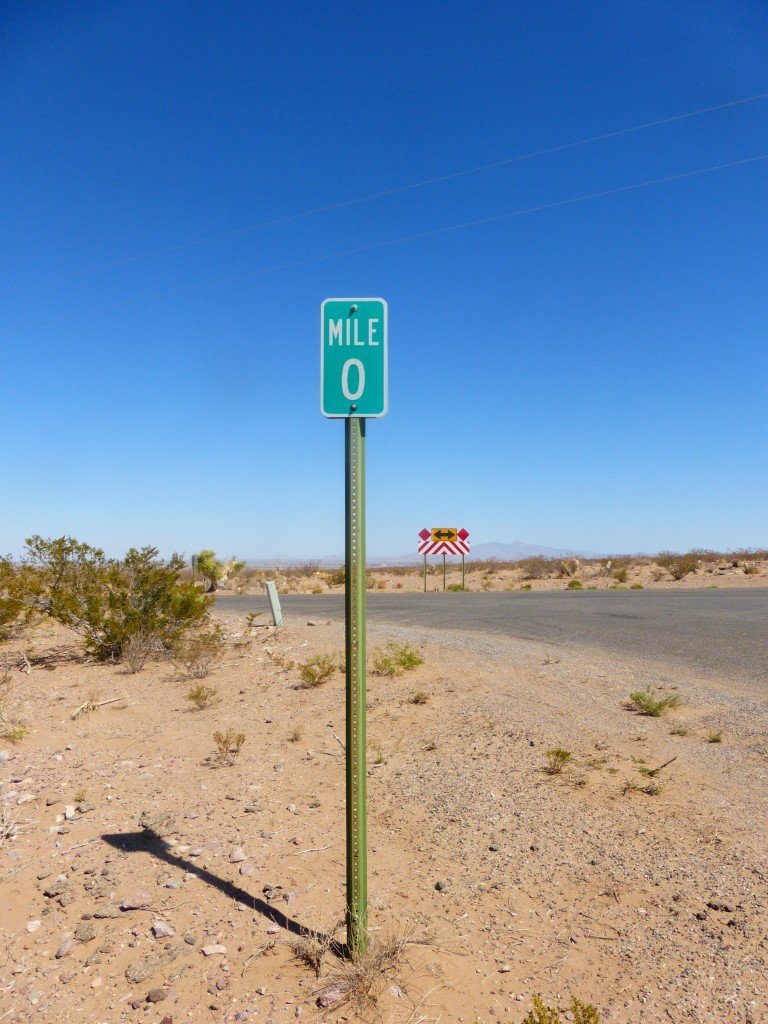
x,y
569,567
751,570
317,670
677,566
646,703
575,584
580,1013
537,568
108,600
13,726
637,586
526,586
420,697
715,736
621,574
140,648
18,590
393,660
228,745
199,651
455,588
337,577
203,696
557,759
215,571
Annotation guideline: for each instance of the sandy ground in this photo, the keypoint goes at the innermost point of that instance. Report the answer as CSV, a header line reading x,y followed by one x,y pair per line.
x,y
653,907
594,575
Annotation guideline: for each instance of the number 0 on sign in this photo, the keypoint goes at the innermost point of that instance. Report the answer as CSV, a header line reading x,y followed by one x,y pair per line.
x,y
353,357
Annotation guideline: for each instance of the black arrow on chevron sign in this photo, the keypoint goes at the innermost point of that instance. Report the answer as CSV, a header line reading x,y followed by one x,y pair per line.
x,y
443,534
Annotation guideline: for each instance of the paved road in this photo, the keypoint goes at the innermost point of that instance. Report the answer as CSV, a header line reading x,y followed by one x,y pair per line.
x,y
718,632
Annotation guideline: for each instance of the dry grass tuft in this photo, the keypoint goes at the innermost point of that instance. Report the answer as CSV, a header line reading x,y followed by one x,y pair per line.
x,y
646,703
312,948
228,745
203,696
557,759
198,653
359,982
317,670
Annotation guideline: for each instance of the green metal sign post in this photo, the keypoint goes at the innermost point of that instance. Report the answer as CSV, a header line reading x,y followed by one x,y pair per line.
x,y
353,386
357,873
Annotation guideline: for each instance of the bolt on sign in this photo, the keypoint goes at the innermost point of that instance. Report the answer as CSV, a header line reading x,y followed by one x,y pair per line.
x,y
353,358
444,540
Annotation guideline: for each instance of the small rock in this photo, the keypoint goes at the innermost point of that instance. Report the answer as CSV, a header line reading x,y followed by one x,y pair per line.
x,y
190,940
213,949
505,969
66,947
439,886
237,855
69,812
247,868
722,907
156,995
106,912
331,996
56,888
32,926
138,900
493,848
85,931
163,930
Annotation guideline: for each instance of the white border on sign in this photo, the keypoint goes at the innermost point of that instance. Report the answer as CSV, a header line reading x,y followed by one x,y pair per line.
x,y
342,416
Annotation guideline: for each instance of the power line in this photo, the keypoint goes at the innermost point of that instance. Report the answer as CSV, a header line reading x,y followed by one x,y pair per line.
x,y
453,175
484,220
431,232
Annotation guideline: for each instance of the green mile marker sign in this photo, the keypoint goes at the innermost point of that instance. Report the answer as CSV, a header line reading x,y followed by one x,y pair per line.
x,y
353,358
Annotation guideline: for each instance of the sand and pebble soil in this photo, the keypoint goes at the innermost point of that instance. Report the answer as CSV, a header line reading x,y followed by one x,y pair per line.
x,y
143,879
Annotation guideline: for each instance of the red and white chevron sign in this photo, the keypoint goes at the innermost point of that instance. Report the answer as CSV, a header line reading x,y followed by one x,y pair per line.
x,y
444,540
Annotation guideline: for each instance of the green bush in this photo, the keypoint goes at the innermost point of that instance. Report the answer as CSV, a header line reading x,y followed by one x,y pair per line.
x,y
18,589
645,703
580,1013
393,660
107,600
455,588
316,671
575,584
557,759
621,574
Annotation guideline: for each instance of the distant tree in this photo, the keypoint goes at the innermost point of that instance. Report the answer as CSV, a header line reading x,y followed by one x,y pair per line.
x,y
216,571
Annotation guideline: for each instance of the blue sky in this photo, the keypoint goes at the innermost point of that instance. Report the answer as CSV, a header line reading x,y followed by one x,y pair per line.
x,y
591,376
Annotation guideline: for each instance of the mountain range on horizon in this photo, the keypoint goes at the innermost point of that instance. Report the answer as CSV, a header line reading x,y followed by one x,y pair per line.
x,y
502,552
